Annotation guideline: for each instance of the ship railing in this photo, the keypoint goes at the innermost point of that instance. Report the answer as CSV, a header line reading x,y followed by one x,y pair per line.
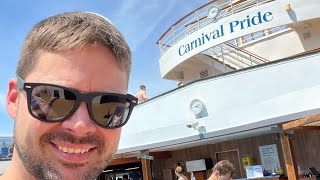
x,y
198,19
258,35
228,53
226,56
220,54
234,54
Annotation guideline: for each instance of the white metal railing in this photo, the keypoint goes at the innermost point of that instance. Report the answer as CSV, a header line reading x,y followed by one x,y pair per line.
x,y
257,35
232,52
238,58
198,19
233,57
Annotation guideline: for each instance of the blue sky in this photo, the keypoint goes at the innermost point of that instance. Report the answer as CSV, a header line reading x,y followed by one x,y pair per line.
x,y
142,22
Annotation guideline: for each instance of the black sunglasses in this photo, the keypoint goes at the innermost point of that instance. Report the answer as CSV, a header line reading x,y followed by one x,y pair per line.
x,y
54,103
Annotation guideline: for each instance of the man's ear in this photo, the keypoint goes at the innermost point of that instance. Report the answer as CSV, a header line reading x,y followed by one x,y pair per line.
x,y
12,98
216,173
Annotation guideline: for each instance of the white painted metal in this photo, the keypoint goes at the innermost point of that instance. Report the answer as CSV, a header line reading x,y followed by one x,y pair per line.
x,y
302,13
198,19
237,102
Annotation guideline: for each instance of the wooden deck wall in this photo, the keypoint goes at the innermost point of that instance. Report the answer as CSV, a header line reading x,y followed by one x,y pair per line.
x,y
306,145
246,147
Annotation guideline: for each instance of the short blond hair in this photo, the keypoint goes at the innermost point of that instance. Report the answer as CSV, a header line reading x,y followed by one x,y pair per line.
x,y
224,167
72,30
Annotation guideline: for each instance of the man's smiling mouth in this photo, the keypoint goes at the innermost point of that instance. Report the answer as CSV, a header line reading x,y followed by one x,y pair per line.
x,y
73,150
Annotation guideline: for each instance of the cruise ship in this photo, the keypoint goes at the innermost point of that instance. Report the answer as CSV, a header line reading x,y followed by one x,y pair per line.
x,y
248,92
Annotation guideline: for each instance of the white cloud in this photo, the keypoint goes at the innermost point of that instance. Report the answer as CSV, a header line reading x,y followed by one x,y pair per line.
x,y
125,8
143,18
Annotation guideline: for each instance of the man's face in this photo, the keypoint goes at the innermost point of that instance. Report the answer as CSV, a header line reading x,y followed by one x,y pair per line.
x,y
75,148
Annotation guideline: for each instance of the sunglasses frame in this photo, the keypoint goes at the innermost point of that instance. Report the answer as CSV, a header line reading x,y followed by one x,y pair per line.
x,y
80,97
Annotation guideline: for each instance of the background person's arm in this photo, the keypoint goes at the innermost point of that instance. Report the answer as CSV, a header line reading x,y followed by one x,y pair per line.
x,y
144,95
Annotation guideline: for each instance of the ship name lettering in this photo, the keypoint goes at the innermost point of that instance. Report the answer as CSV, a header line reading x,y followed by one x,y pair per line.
x,y
251,21
183,49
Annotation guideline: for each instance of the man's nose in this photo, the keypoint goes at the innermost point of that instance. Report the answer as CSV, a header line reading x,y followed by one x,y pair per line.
x,y
80,122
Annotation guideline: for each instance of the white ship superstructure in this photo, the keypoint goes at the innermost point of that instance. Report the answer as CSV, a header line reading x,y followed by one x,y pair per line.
x,y
248,75
248,91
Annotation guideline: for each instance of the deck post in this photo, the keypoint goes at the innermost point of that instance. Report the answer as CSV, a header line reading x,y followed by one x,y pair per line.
x,y
174,35
198,19
146,167
288,157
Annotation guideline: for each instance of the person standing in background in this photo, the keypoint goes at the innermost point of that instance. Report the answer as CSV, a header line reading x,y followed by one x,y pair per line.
x,y
125,177
178,172
192,176
223,170
142,94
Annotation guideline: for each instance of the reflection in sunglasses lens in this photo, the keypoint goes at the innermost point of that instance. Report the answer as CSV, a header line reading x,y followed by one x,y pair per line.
x,y
110,110
51,103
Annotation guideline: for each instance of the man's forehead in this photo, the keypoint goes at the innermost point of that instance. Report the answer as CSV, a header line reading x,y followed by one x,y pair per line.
x,y
97,70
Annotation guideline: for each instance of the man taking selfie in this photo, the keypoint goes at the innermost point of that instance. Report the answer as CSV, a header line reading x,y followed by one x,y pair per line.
x,y
73,68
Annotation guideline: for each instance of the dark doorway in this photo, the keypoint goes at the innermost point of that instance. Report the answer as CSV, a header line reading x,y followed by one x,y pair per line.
x,y
117,172
233,157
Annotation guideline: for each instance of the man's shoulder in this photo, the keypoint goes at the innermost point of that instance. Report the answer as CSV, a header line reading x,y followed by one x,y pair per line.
x,y
139,93
183,177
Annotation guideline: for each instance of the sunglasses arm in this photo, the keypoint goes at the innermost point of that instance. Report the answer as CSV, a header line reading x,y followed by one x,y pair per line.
x,y
20,82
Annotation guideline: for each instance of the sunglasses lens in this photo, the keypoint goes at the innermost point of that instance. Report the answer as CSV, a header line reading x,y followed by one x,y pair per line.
x,y
110,110
51,103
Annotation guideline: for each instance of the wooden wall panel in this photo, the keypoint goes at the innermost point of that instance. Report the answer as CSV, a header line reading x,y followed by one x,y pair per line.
x,y
306,145
160,167
233,157
246,147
